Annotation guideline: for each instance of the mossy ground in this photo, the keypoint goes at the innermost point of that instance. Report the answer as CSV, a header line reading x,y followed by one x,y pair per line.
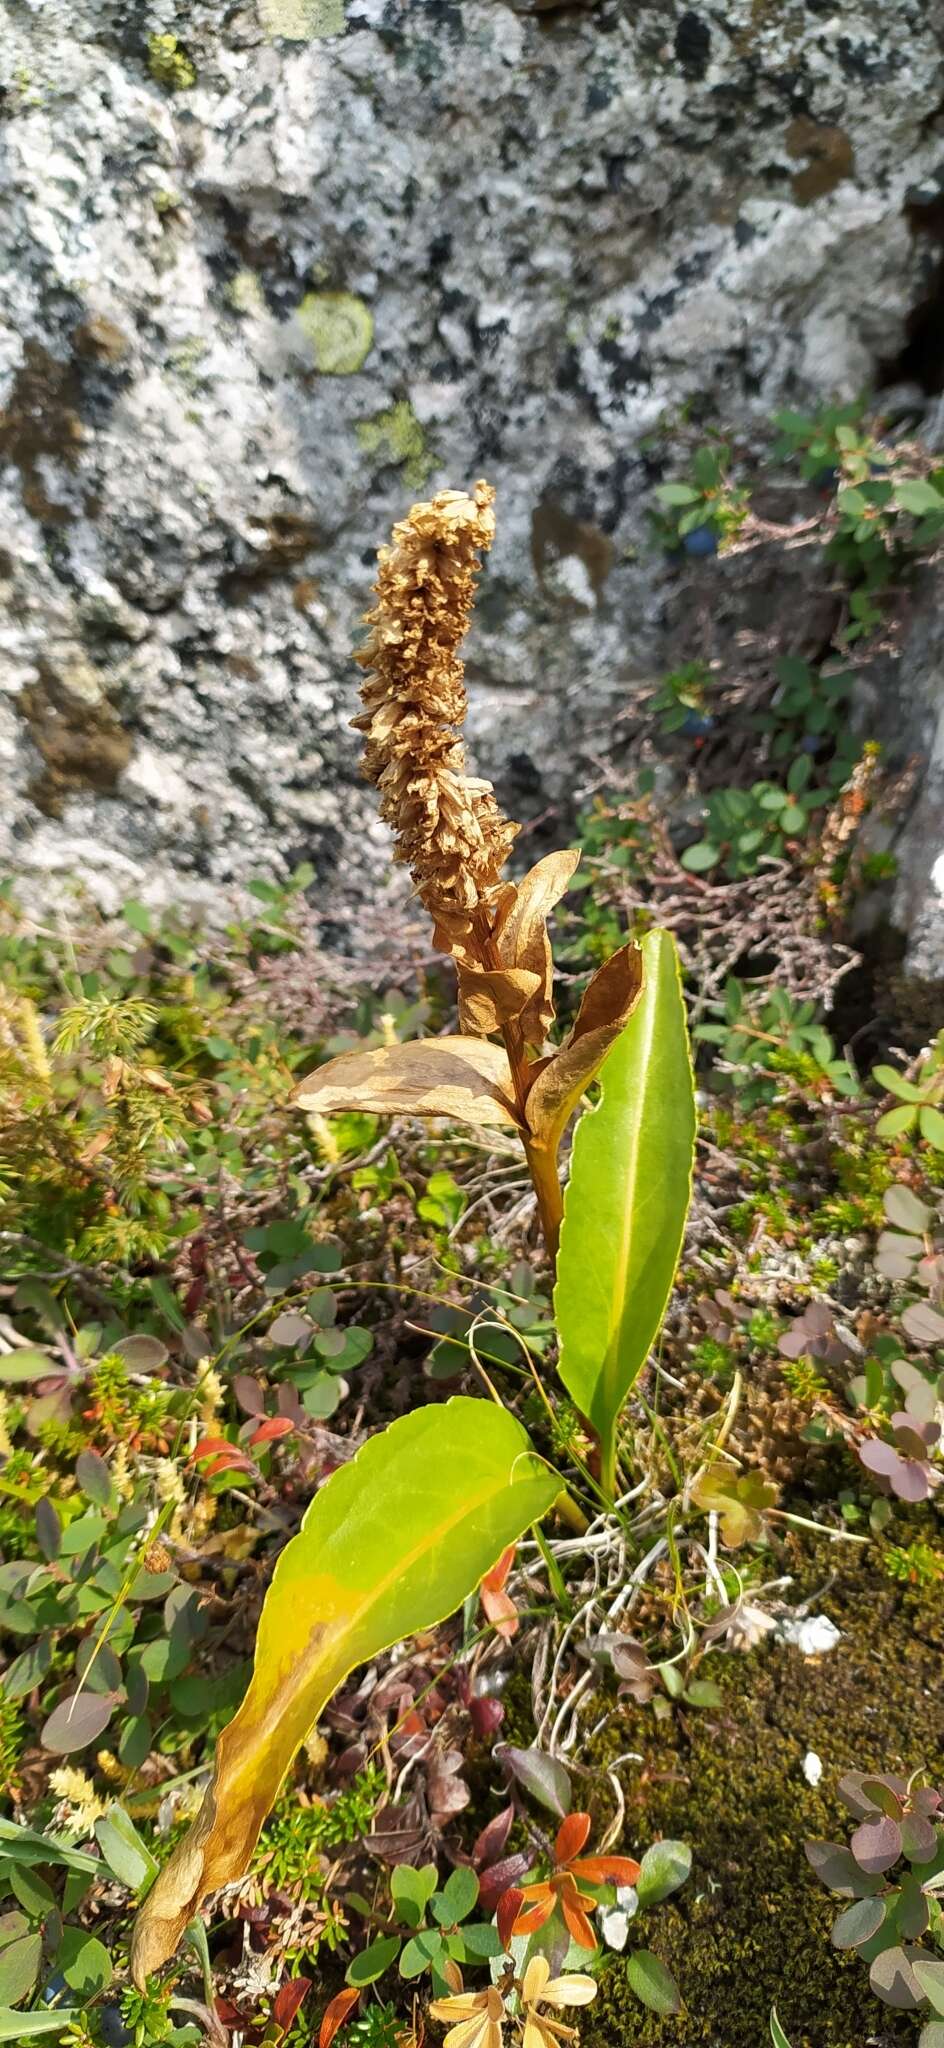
x,y
751,1928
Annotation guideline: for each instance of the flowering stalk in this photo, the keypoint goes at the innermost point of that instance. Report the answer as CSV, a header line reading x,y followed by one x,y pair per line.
x,y
449,830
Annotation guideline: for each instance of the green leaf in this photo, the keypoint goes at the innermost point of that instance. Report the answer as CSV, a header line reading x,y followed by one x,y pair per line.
x,y
19,1968
25,1365
653,1984
677,494
665,1866
777,2034
481,1941
27,2026
698,858
457,1897
918,497
931,2036
858,1923
890,1078
128,1858
85,1963
895,1121
32,1892
626,1201
28,1669
394,1541
792,819
25,1845
426,1947
373,1961
931,1979
411,1890
931,1126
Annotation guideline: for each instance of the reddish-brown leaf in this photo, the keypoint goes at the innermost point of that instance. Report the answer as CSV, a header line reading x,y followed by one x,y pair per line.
x,y
335,2014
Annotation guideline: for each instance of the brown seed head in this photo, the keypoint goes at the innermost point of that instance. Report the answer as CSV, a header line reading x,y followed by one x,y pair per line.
x,y
448,827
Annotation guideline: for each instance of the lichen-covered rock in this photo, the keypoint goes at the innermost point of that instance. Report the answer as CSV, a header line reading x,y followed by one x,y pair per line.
x,y
269,266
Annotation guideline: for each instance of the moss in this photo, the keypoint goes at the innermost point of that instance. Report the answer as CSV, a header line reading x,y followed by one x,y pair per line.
x,y
82,743
169,64
396,435
302,21
751,1928
41,419
340,329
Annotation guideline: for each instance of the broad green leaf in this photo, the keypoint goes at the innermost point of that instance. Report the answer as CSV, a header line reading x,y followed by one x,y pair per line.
x,y
394,1541
895,1121
25,1845
84,1961
930,1976
652,1982
918,497
664,1867
374,1961
27,2026
931,1126
412,1889
19,1967
677,494
128,1858
626,1201
777,2034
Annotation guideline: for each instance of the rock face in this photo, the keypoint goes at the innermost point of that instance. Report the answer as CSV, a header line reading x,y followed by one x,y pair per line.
x,y
274,268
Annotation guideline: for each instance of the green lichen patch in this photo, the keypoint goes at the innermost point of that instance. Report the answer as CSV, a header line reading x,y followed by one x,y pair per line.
x,y
752,1928
301,21
169,64
397,437
340,328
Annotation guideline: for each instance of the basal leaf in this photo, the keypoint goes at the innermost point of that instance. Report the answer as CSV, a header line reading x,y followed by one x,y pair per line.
x,y
28,2026
393,1542
465,1079
627,1200
777,2034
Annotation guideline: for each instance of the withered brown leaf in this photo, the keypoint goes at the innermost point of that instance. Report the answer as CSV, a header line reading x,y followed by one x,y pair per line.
x,y
608,1003
467,1080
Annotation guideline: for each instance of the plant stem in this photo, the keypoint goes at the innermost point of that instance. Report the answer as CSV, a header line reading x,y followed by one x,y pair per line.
x,y
554,1573
542,1167
608,1466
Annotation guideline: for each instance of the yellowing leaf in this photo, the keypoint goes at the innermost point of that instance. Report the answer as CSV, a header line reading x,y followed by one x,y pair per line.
x,y
393,1542
465,1079
607,1006
489,1000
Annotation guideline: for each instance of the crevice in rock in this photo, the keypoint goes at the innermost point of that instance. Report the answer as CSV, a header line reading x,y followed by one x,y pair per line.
x,y
921,359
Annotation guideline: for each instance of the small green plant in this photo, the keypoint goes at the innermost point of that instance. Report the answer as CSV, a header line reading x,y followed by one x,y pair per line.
x,y
706,513
681,700
765,1041
745,826
433,1929
918,1112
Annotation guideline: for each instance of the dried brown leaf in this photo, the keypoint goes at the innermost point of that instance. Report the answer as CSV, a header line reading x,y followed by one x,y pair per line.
x,y
487,1000
523,940
608,1004
465,1079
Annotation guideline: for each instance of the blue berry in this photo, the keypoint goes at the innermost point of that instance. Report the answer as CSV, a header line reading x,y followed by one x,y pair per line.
x,y
697,723
114,2032
701,541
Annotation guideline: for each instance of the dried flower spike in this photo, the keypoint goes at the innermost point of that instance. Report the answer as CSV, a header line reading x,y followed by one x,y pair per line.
x,y
447,824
